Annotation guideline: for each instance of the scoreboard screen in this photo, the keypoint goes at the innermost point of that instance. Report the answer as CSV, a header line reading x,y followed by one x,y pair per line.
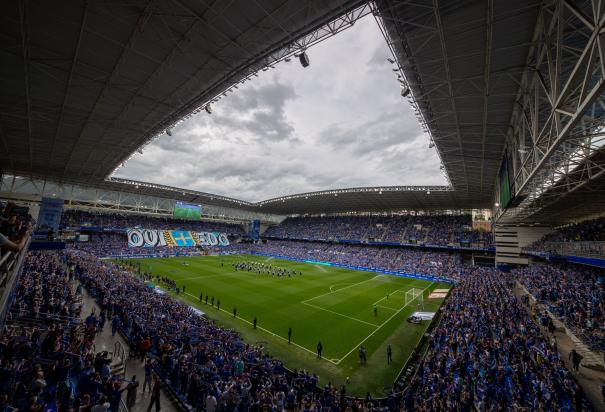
x,y
184,210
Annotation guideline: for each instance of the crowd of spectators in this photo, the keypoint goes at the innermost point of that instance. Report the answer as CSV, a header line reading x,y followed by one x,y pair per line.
x,y
395,259
442,230
204,363
589,230
80,218
116,244
557,241
573,293
488,353
389,258
49,362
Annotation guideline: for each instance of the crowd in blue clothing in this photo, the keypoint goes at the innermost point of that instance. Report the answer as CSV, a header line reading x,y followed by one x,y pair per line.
x,y
204,363
47,356
573,293
423,229
488,353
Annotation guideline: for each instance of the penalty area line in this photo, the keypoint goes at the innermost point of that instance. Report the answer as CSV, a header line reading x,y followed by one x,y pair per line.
x,y
339,314
269,332
346,287
384,297
380,327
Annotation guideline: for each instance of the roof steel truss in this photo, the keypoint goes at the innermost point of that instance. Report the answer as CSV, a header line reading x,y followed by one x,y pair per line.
x,y
557,128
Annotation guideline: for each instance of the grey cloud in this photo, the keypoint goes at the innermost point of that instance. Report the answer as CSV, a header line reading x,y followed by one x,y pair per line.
x,y
340,122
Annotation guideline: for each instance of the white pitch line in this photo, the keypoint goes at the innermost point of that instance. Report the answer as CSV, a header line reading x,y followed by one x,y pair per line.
x,y
385,307
323,269
380,327
384,297
339,314
204,277
346,287
336,284
271,333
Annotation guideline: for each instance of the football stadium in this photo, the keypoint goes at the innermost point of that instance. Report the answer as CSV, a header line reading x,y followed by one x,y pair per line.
x,y
277,205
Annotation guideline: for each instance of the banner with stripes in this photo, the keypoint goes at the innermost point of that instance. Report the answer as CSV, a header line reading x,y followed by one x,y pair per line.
x,y
174,238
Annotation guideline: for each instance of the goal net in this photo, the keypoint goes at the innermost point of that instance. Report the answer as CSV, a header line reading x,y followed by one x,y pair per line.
x,y
414,294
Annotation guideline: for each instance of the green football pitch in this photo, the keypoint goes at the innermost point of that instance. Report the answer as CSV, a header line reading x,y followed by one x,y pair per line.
x,y
333,305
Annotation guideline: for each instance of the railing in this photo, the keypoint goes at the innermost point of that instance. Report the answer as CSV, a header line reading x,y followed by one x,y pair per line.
x,y
42,320
586,249
10,268
119,353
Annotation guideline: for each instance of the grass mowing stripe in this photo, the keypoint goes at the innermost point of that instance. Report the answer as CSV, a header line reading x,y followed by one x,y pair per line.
x,y
276,303
339,314
268,331
384,297
380,327
339,290
386,307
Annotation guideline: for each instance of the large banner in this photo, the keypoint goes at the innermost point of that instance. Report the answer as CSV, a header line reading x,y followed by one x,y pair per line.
x,y
50,213
174,238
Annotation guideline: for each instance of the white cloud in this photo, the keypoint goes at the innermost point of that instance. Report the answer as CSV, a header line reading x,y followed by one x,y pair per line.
x,y
341,122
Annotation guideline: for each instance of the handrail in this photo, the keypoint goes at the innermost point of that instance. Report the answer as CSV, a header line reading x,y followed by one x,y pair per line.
x,y
5,257
582,248
122,407
9,284
120,353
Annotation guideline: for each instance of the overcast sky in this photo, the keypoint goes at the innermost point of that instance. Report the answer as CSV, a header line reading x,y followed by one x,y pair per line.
x,y
341,122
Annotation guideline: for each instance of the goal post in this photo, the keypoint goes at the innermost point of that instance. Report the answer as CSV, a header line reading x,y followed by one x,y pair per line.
x,y
414,294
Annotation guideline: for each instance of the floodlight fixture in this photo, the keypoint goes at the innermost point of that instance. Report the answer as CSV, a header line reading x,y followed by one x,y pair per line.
x,y
304,59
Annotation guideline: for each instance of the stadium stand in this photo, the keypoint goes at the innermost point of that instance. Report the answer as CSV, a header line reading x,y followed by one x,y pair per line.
x,y
583,238
195,357
510,93
440,230
79,219
573,293
397,259
489,354
47,353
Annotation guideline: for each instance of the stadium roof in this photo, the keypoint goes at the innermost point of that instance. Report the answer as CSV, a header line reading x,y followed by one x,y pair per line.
x,y
86,84
365,199
463,60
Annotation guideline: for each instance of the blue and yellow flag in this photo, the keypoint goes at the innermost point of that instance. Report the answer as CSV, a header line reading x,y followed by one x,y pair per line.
x,y
181,238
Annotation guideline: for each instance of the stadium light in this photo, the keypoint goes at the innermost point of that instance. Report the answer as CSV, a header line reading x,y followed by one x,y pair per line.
x,y
304,59
405,92
169,132
497,204
208,108
390,60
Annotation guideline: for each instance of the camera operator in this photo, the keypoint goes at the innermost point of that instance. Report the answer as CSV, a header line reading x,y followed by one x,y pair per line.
x,y
15,228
